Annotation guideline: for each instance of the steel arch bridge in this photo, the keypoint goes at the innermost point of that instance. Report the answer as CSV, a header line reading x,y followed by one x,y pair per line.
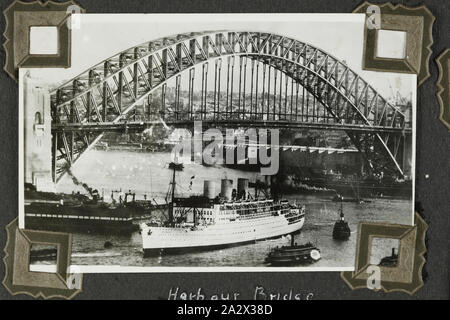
x,y
318,91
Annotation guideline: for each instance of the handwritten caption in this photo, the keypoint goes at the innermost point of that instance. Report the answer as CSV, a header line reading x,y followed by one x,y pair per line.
x,y
257,293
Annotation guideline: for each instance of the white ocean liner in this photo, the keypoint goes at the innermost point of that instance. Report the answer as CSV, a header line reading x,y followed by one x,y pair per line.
x,y
200,222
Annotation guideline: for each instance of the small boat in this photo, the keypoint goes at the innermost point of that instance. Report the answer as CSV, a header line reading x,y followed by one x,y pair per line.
x,y
339,198
390,261
296,254
341,230
293,254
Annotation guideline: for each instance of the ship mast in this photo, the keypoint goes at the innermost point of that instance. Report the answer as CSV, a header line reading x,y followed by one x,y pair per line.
x,y
172,198
175,167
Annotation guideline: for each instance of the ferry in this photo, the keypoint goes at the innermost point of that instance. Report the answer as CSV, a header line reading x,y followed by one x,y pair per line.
x,y
211,221
79,213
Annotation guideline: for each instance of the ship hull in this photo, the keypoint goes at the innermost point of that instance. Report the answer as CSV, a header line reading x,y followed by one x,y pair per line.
x,y
66,224
80,219
164,240
181,250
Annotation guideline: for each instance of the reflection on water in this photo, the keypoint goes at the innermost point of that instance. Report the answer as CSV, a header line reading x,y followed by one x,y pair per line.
x,y
147,173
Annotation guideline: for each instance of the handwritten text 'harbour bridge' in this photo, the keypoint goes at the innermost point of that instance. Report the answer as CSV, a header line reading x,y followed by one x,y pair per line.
x,y
245,79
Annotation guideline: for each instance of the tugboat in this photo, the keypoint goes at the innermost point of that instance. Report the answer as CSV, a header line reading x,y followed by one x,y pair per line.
x,y
341,230
390,261
293,254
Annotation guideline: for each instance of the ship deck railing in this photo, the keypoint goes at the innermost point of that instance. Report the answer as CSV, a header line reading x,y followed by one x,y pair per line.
x,y
61,216
247,202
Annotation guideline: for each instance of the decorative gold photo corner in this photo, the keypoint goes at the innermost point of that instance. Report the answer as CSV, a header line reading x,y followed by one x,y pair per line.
x,y
443,84
20,18
18,277
406,276
416,23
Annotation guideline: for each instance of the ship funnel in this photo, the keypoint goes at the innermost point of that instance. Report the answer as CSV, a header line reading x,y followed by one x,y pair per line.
x,y
226,188
242,188
209,190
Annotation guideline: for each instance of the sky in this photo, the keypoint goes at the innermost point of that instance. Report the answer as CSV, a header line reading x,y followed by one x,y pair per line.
x,y
103,35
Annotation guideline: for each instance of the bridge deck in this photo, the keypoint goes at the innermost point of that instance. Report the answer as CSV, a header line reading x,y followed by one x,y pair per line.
x,y
280,124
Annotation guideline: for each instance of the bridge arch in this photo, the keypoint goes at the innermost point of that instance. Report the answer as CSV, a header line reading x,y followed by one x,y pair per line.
x,y
110,90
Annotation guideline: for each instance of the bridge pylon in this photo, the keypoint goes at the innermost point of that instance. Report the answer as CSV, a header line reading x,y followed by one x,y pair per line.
x,y
37,135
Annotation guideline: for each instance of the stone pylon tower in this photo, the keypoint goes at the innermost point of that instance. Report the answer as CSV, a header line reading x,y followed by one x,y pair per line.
x,y
37,135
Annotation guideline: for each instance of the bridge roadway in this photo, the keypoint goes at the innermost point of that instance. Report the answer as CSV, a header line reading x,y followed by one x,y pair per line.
x,y
280,124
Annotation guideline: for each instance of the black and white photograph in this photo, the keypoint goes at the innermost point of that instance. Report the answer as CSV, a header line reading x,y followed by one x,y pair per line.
x,y
210,142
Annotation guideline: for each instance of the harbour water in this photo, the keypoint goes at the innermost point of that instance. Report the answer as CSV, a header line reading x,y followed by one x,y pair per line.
x,y
147,173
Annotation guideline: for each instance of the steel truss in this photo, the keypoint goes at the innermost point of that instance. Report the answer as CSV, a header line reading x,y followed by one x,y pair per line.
x,y
292,84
